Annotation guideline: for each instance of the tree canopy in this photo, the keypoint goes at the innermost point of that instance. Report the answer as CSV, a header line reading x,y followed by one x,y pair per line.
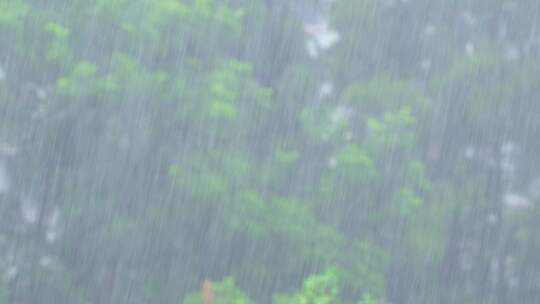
x,y
250,151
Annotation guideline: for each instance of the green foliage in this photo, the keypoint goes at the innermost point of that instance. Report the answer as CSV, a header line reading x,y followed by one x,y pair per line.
x,y
182,140
383,94
317,289
367,299
224,292
12,13
59,49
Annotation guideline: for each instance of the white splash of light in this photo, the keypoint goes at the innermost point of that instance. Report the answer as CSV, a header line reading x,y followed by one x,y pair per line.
x,y
2,73
327,39
516,201
326,89
322,34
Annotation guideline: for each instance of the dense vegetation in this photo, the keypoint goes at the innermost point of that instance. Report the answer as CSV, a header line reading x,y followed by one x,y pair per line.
x,y
193,151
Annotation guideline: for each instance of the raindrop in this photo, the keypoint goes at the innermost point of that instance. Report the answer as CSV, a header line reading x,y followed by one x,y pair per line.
x,y
41,93
508,148
503,31
492,218
512,53
332,162
469,19
469,49
425,65
312,49
510,6
430,30
470,152
10,273
326,89
29,211
8,150
4,179
341,114
348,136
515,201
390,3
322,34
534,188
52,235
45,261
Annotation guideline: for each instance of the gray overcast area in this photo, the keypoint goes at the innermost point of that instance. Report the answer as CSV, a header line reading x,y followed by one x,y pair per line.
x,y
269,152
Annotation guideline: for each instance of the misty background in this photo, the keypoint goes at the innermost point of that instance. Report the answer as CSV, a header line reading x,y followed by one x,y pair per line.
x,y
269,151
